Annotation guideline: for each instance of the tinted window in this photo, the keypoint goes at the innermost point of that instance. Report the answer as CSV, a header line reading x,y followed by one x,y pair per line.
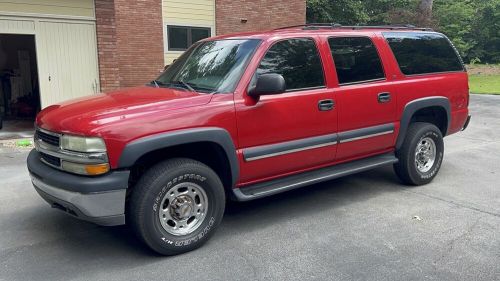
x,y
356,59
419,53
297,60
180,38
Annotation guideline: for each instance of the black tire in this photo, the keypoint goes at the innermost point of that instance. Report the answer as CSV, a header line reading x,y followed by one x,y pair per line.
x,y
406,168
143,212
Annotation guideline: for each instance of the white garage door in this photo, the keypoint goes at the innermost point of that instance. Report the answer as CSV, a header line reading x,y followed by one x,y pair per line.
x,y
67,60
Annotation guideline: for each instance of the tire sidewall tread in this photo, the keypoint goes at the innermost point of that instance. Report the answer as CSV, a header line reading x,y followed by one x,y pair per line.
x,y
148,193
406,168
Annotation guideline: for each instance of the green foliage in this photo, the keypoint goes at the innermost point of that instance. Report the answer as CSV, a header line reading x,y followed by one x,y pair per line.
x,y
455,19
340,11
486,32
472,25
352,12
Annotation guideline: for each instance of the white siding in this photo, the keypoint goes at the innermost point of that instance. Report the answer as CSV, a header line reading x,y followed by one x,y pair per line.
x,y
186,13
68,8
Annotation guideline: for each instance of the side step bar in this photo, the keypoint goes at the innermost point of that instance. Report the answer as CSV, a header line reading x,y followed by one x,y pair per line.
x,y
276,186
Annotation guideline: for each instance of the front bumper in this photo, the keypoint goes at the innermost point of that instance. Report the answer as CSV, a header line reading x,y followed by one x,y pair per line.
x,y
99,199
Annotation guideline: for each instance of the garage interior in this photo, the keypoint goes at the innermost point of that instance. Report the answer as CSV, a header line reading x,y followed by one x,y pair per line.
x,y
19,91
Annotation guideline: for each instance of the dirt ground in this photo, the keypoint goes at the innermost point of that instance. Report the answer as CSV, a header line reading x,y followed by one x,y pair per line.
x,y
483,69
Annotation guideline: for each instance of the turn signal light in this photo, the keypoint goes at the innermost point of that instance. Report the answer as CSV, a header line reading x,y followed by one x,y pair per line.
x,y
97,169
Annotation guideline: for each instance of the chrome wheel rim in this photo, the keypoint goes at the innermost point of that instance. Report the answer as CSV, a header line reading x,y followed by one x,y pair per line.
x,y
183,208
425,154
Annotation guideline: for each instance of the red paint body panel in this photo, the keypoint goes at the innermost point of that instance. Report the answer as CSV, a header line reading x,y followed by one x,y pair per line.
x,y
123,116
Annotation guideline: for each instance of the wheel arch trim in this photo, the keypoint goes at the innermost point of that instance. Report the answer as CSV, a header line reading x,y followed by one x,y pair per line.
x,y
414,106
139,147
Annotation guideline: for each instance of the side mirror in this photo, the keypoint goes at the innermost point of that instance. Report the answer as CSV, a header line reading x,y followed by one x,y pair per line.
x,y
268,84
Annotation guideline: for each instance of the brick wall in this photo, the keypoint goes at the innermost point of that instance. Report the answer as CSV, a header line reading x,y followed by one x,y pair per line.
x,y
106,45
129,41
130,33
260,14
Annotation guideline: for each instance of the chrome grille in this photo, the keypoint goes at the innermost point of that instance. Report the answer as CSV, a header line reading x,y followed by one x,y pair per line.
x,y
47,138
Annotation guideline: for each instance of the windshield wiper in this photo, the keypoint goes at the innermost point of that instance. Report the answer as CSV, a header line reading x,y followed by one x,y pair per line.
x,y
157,83
186,85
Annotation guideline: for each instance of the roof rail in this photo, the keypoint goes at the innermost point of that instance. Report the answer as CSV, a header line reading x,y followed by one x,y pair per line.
x,y
325,25
309,26
392,27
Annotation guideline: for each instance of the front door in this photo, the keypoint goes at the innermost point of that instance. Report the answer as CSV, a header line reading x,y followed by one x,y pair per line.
x,y
291,131
366,100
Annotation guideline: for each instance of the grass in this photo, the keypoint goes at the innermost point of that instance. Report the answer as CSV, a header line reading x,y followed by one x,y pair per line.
x,y
484,79
484,84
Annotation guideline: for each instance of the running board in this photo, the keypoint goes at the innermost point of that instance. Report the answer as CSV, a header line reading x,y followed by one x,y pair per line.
x,y
276,186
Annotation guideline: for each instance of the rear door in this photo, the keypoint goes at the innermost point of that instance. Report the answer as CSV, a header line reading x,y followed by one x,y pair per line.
x,y
366,99
287,132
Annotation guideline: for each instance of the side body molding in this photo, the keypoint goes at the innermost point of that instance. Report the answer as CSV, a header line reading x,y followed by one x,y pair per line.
x,y
416,105
137,148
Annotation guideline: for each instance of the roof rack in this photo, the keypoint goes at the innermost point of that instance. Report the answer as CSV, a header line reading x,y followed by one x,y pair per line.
x,y
392,27
317,25
314,26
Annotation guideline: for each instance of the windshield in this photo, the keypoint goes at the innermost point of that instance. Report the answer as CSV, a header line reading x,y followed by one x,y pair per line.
x,y
210,66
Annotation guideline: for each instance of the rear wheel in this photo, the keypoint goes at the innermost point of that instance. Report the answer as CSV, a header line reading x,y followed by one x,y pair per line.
x,y
177,205
421,154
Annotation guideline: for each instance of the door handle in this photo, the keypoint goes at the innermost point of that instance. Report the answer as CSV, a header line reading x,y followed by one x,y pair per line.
x,y
324,105
384,97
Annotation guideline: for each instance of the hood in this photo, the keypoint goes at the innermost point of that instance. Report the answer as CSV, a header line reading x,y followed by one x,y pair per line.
x,y
86,115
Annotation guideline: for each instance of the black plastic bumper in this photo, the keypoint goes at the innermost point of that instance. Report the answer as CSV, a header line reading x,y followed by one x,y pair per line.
x,y
100,199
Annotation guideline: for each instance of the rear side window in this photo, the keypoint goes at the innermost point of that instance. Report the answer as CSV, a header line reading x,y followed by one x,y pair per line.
x,y
356,59
420,53
297,60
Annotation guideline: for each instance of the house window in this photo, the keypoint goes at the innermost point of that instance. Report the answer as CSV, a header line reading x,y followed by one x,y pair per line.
x,y
180,38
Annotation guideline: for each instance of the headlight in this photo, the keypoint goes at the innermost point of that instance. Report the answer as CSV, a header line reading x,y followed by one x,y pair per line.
x,y
82,144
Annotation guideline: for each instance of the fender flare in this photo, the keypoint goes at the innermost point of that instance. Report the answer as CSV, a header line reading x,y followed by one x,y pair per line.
x,y
416,105
137,148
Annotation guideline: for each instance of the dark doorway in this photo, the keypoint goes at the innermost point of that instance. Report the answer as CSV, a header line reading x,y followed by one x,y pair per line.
x,y
19,91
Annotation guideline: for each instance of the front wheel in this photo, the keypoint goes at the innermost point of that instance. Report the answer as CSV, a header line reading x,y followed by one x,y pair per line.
x,y
177,205
421,154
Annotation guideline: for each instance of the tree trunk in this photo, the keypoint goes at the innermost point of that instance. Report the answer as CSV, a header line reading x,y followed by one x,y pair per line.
x,y
425,12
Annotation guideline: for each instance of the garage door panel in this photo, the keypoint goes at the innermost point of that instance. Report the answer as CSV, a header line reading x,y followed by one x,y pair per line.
x,y
12,26
68,60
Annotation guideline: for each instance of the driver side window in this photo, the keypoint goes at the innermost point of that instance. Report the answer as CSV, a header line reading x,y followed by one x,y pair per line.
x,y
297,60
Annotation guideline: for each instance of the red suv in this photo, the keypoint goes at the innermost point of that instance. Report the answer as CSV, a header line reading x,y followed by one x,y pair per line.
x,y
250,115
